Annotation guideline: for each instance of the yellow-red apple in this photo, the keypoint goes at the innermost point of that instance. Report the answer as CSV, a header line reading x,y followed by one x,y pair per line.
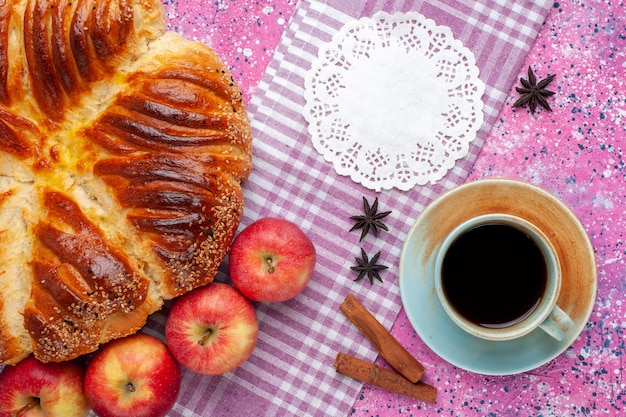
x,y
32,388
271,260
212,329
135,376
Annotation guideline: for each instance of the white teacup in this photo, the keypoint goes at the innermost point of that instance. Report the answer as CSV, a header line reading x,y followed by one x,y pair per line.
x,y
498,277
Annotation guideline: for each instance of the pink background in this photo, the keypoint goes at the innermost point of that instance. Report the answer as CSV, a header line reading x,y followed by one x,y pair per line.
x,y
575,152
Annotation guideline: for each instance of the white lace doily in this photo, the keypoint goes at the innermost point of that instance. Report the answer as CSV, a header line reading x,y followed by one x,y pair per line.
x,y
393,101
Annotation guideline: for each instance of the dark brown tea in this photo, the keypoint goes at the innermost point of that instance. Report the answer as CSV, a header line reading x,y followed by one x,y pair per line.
x,y
494,275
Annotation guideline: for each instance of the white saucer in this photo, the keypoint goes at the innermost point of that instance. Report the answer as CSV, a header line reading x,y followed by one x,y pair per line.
x,y
444,337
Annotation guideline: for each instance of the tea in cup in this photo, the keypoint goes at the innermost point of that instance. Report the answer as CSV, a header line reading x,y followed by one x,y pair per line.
x,y
498,277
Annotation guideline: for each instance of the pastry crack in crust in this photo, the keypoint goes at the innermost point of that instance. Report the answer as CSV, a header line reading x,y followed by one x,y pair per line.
x,y
122,150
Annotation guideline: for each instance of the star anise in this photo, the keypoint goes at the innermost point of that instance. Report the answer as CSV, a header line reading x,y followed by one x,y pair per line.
x,y
368,267
534,93
370,220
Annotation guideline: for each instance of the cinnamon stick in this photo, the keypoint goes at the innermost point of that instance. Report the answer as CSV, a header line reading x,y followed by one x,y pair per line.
x,y
388,347
384,378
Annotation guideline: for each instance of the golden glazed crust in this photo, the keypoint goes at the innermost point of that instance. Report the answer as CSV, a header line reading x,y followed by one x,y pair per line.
x,y
122,149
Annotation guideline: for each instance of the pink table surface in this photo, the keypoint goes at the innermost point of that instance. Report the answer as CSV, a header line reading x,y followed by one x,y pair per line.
x,y
575,152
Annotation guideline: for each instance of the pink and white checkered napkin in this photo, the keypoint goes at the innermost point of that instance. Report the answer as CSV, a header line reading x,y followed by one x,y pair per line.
x,y
291,371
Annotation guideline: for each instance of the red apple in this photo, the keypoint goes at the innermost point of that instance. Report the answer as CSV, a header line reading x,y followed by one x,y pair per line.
x,y
212,329
271,260
33,388
135,376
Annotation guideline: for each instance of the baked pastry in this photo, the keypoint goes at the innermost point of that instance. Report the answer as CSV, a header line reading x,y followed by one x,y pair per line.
x,y
122,150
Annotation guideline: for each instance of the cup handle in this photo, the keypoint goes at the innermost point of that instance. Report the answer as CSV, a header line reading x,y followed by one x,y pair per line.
x,y
557,324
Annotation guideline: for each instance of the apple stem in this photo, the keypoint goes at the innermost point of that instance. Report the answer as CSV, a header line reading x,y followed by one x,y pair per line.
x,y
22,411
205,338
130,387
270,265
